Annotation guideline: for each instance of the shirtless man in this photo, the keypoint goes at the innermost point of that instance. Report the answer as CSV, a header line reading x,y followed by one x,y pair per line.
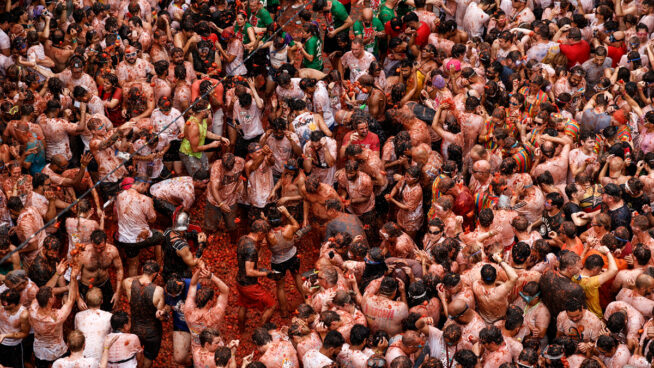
x,y
417,128
357,188
613,171
443,210
492,300
378,304
315,197
626,279
409,345
96,260
287,188
54,48
638,296
274,354
470,322
370,163
283,253
396,243
198,310
546,161
147,307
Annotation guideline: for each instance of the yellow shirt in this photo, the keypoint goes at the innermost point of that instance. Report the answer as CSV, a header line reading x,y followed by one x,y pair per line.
x,y
591,289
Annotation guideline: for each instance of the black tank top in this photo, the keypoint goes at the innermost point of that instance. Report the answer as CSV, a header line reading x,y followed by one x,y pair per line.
x,y
174,241
144,320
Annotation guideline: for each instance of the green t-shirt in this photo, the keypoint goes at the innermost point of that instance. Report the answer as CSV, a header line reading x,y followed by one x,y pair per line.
x,y
386,14
313,46
366,32
245,39
338,15
262,18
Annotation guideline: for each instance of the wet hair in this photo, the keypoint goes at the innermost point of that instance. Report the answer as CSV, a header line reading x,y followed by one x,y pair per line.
x,y
488,274
261,336
10,296
594,261
119,319
573,305
466,358
333,339
203,296
358,334
520,253
491,334
43,296
305,311
151,267
75,341
222,356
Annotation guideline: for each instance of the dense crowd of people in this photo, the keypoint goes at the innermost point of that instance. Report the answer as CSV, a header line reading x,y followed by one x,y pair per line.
x,y
475,178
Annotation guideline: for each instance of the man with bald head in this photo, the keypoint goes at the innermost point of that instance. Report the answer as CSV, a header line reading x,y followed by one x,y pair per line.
x,y
430,163
470,322
638,296
481,176
370,28
409,345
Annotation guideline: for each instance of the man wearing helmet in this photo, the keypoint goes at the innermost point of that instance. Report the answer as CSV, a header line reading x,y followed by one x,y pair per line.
x,y
177,254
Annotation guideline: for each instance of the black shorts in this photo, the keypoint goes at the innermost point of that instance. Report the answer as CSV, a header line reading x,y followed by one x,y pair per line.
x,y
107,293
172,154
11,356
28,347
292,265
151,345
132,250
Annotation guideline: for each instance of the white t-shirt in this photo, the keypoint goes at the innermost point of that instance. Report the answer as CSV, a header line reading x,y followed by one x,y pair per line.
x,y
5,42
95,324
77,363
315,359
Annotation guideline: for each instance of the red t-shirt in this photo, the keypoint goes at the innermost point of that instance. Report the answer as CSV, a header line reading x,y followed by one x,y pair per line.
x,y
576,52
217,92
371,141
422,34
615,53
114,114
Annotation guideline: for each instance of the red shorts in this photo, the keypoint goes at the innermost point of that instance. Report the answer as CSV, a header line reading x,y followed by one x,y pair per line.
x,y
254,296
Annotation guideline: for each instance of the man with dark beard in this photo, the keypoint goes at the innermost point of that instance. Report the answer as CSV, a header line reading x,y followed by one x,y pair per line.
x,y
133,68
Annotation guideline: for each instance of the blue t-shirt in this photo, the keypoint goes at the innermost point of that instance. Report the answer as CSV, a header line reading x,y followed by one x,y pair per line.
x,y
176,304
37,159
